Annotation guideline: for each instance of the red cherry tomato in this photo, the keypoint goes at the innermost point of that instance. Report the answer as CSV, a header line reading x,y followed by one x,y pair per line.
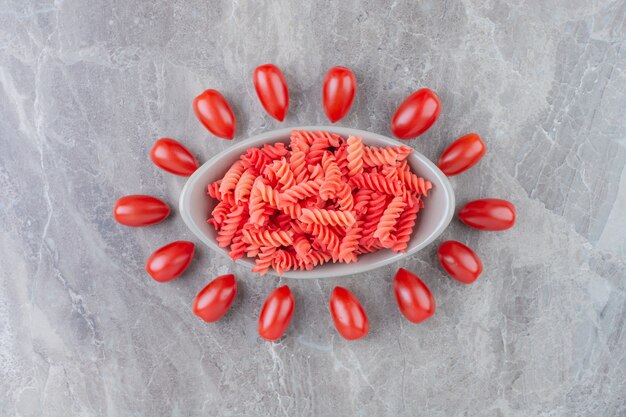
x,y
414,298
215,114
416,114
338,92
215,299
348,314
170,261
271,87
276,314
140,210
173,157
488,214
460,261
462,154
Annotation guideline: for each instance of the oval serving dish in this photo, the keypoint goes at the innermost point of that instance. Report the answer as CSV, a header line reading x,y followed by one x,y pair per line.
x,y
195,204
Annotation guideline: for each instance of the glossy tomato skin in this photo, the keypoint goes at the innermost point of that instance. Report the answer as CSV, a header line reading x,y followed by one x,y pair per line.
x,y
276,314
140,210
462,154
216,298
414,298
460,261
491,214
215,114
272,90
172,156
170,261
348,314
338,92
416,114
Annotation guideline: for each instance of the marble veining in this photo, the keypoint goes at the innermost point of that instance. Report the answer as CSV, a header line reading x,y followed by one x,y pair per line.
x,y
85,88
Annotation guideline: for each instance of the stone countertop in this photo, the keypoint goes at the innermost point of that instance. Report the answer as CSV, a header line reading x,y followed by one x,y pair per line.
x,y
87,86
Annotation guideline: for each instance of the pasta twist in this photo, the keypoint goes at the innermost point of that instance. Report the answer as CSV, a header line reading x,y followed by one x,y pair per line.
x,y
345,199
389,218
299,192
325,236
376,182
230,226
275,151
350,243
361,200
327,217
283,261
405,225
355,156
283,173
268,238
413,182
267,193
385,156
264,260
237,246
255,158
332,177
297,162
375,210
229,182
244,186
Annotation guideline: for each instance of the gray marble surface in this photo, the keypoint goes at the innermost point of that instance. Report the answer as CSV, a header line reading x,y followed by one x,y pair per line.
x,y
87,86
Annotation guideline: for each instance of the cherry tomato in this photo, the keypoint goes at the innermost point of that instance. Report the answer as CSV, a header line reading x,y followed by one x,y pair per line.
x,y
338,92
276,314
460,261
173,157
462,154
215,299
215,114
416,114
414,298
140,210
348,314
488,214
271,87
170,261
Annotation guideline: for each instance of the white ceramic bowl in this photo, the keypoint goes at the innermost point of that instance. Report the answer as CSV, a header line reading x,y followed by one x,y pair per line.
x,y
196,205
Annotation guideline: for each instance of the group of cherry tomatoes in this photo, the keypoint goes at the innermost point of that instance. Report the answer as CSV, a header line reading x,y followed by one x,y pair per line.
x,y
414,299
415,115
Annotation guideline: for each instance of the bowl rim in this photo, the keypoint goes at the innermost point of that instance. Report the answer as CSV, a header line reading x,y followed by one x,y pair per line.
x,y
265,137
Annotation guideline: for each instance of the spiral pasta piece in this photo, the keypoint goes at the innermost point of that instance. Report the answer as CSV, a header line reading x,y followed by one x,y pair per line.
x,y
230,226
229,182
405,225
414,183
328,217
376,182
389,219
345,200
350,243
355,156
255,158
268,238
283,173
298,166
299,192
267,193
244,186
375,211
388,156
237,246
283,261
264,260
275,151
332,177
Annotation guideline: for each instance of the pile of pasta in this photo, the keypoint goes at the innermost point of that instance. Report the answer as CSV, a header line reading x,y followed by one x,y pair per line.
x,y
320,198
